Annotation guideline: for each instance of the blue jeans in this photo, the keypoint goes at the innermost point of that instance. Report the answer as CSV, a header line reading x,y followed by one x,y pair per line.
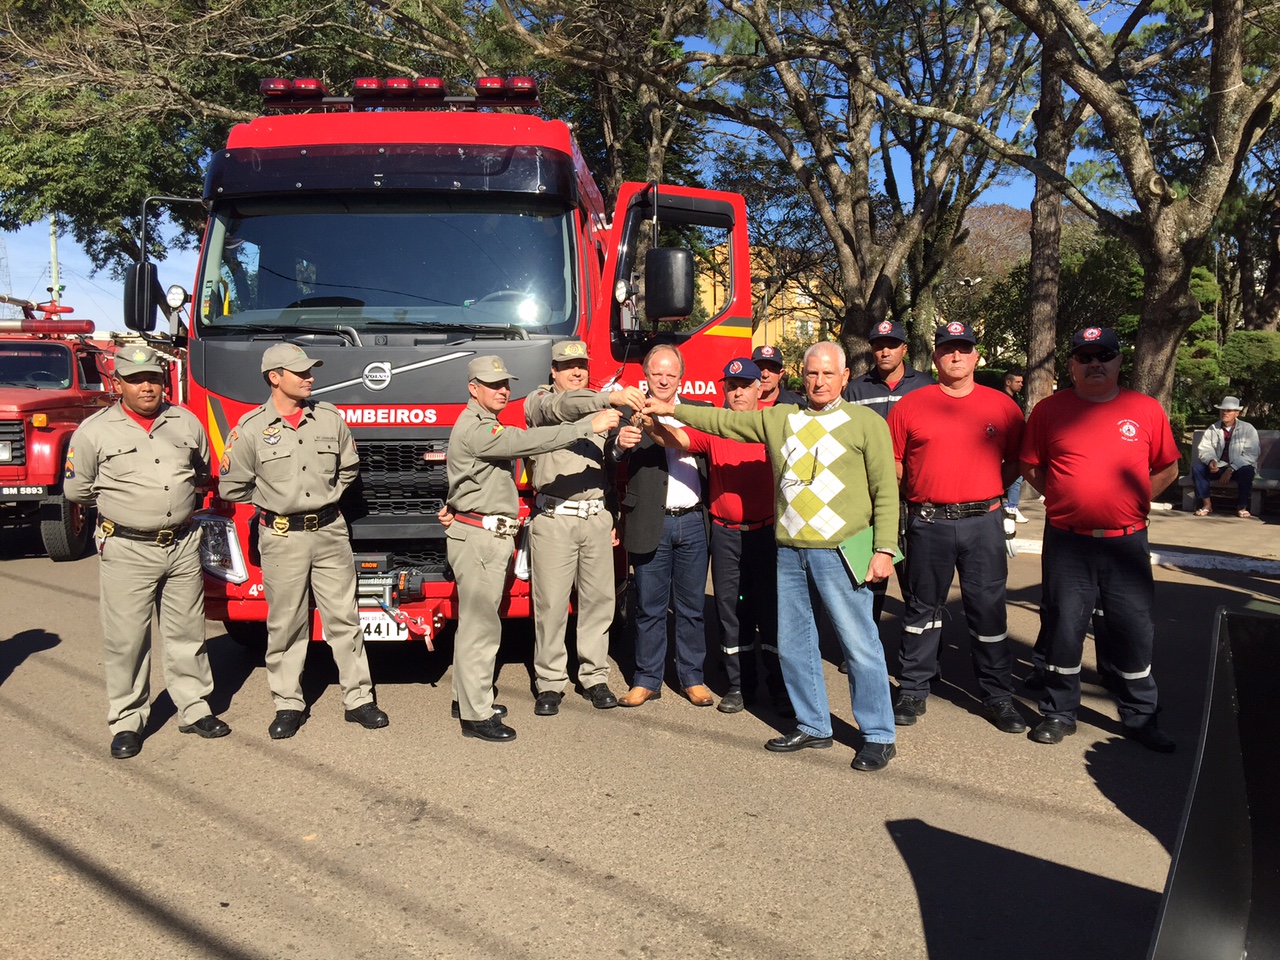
x,y
817,577
675,576
1013,495
1203,480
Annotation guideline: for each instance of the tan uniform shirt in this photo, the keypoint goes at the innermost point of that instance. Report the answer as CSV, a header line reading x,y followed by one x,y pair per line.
x,y
571,473
284,469
140,479
482,451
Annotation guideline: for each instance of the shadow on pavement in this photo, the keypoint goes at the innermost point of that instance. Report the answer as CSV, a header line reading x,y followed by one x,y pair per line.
x,y
982,902
22,645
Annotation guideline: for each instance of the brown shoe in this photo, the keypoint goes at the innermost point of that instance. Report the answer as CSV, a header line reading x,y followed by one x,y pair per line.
x,y
699,696
637,696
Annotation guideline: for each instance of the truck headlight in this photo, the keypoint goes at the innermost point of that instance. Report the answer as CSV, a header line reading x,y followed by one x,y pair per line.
x,y
6,451
220,552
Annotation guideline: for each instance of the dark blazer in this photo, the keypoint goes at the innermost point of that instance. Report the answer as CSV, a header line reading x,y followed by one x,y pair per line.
x,y
646,496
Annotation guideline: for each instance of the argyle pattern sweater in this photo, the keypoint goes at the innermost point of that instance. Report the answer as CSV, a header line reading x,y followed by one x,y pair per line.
x,y
833,469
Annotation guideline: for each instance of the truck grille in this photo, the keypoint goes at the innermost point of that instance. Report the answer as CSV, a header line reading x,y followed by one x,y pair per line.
x,y
397,482
13,432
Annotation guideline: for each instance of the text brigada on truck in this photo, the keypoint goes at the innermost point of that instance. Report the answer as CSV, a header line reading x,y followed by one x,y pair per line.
x,y
396,234
52,377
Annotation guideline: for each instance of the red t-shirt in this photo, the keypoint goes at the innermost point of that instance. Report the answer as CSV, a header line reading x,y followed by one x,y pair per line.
x,y
952,448
739,475
143,422
1098,457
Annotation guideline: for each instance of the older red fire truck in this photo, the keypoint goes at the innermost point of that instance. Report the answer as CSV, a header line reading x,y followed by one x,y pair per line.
x,y
52,376
395,234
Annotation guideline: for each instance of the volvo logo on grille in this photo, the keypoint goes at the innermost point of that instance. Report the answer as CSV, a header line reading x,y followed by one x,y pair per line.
x,y
377,376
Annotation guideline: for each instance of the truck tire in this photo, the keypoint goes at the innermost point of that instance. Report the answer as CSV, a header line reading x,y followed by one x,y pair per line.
x,y
66,537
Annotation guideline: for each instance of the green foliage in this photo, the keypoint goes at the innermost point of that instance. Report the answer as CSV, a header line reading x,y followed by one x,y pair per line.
x,y
1251,362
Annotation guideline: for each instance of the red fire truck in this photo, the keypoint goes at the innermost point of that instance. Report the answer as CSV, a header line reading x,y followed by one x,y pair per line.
x,y
52,376
395,234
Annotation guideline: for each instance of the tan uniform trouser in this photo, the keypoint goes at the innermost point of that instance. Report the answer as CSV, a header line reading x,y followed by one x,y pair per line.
x,y
135,577
564,550
297,567
481,562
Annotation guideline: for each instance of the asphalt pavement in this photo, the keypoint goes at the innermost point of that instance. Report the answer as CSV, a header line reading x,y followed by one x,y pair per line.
x,y
665,831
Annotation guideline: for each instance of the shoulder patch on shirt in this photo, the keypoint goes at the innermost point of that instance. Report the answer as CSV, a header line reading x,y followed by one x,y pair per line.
x,y
69,470
495,430
224,465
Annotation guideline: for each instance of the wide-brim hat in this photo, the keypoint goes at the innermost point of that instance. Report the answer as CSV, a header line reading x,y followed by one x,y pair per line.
x,y
1230,403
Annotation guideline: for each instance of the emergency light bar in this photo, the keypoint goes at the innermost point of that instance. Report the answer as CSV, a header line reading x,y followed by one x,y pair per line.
x,y
378,92
47,325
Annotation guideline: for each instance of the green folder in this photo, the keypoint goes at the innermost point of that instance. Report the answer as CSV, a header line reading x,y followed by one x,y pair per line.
x,y
858,550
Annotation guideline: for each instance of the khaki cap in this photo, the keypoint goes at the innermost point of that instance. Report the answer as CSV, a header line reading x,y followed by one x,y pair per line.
x,y
133,360
288,356
569,350
488,369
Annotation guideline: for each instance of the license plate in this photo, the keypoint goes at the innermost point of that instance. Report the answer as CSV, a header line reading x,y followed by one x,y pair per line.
x,y
376,625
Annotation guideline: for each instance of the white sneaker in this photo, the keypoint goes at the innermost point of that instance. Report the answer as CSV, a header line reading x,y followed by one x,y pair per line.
x,y
1017,515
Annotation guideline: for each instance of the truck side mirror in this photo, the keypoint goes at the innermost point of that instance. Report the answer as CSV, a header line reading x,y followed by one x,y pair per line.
x,y
668,283
142,296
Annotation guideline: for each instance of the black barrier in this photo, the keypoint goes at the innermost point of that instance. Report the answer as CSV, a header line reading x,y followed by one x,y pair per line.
x,y
1222,898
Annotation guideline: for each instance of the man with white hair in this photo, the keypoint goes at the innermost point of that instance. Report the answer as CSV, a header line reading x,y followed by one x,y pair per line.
x,y
833,466
1228,451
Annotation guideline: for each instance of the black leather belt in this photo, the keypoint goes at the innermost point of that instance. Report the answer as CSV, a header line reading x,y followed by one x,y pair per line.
x,y
161,538
681,511
284,522
953,511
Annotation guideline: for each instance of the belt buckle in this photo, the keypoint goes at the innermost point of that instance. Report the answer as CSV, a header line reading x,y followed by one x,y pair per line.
x,y
926,511
311,522
280,526
108,528
165,538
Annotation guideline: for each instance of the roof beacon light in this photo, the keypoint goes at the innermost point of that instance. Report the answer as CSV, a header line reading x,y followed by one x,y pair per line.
x,y
309,87
367,86
397,86
490,85
429,87
522,87
275,88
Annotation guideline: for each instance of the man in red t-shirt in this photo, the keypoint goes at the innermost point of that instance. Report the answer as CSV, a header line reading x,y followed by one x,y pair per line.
x,y
743,547
1099,453
956,446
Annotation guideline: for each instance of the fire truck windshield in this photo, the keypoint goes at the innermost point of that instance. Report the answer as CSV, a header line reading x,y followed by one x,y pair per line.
x,y
390,261
35,365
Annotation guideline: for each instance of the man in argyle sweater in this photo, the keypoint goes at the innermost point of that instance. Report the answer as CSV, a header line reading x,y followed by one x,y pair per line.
x,y
833,464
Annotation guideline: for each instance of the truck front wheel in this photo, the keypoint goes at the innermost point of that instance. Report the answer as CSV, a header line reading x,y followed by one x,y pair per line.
x,y
66,535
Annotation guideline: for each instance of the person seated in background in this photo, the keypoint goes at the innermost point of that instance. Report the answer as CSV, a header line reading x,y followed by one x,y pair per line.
x,y
1227,451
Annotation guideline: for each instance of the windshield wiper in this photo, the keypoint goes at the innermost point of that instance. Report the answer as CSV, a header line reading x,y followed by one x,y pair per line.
x,y
16,383
284,330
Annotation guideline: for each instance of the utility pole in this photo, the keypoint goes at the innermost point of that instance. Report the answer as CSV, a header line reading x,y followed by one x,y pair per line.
x,y
56,290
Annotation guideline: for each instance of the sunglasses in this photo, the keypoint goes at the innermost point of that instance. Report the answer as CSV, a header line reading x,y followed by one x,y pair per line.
x,y
1102,356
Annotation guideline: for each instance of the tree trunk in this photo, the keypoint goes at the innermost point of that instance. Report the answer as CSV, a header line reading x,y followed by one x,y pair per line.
x,y
1053,145
1168,309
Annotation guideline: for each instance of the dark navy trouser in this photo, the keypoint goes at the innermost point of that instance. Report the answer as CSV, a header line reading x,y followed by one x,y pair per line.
x,y
1114,573
975,546
744,576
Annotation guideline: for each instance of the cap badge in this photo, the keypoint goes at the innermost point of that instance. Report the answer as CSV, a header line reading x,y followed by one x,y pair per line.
x,y
1092,333
735,367
955,326
884,327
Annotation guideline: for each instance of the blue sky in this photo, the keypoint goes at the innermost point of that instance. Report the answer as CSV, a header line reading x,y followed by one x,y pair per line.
x,y
95,298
